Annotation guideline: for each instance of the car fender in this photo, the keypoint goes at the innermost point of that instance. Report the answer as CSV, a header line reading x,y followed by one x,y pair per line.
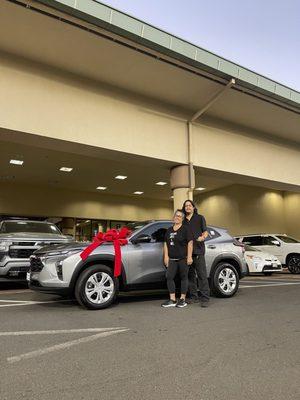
x,y
226,257
92,260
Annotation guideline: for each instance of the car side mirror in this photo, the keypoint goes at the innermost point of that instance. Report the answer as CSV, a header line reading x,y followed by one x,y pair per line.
x,y
141,239
276,242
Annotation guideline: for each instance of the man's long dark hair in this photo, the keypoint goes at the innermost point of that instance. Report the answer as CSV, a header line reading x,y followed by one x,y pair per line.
x,y
192,203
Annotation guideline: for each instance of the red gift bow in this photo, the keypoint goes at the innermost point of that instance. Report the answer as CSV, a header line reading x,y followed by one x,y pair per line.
x,y
118,238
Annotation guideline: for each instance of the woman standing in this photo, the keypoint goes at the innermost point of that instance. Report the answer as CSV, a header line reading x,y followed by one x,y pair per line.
x,y
178,250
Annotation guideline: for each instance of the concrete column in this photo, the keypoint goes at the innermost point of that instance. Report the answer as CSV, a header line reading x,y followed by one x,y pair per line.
x,y
180,184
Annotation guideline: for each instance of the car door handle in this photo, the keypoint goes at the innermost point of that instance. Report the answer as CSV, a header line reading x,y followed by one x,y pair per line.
x,y
211,246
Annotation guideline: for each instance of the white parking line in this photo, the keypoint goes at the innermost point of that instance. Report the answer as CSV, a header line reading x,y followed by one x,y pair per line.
x,y
60,331
61,346
271,284
17,303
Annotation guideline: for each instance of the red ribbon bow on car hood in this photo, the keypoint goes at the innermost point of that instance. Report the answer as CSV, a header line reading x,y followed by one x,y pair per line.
x,y
118,238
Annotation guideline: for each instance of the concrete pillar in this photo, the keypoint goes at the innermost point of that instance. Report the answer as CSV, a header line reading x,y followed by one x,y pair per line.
x,y
180,184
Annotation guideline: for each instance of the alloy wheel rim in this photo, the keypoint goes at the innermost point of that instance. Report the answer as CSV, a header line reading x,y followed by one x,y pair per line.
x,y
99,288
294,265
227,280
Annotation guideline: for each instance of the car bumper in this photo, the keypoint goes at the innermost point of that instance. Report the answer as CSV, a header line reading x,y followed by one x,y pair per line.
x,y
14,269
272,268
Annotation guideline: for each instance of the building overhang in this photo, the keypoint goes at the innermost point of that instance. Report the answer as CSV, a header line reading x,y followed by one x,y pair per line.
x,y
90,39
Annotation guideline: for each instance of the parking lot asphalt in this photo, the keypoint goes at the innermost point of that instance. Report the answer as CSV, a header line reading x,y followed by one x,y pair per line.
x,y
245,347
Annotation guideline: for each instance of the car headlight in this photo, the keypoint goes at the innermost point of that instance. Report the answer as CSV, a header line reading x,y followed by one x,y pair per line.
x,y
4,245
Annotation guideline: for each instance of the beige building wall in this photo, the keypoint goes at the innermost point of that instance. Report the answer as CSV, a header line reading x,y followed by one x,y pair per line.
x,y
29,200
292,213
42,101
245,209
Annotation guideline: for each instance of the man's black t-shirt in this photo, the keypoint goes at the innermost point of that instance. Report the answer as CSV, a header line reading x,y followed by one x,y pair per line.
x,y
197,225
177,242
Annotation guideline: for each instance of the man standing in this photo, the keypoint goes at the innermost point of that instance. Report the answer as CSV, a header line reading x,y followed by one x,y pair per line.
x,y
197,225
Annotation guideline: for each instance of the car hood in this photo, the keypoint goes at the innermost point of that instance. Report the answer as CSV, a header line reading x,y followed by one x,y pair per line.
x,y
38,236
260,254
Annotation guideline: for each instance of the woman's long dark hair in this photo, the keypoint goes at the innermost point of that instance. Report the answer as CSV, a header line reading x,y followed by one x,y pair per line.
x,y
192,203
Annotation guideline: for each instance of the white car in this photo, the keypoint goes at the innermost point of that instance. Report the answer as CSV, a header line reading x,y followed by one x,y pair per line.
x,y
261,262
285,248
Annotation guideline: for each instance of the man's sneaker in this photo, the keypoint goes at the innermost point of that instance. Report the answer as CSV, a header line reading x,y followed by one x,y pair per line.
x,y
181,303
193,300
204,304
169,303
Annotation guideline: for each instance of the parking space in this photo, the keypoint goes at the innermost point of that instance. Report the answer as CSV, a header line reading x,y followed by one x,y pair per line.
x,y
135,349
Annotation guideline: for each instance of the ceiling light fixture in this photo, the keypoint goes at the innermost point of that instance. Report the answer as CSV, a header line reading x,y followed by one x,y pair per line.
x,y
121,177
101,187
66,169
16,162
200,188
137,192
161,183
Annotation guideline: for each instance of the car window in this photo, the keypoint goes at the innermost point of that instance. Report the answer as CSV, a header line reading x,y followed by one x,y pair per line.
x,y
28,227
253,240
287,239
212,234
269,241
157,231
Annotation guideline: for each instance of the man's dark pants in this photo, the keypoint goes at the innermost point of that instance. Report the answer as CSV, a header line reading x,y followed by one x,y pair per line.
x,y
199,267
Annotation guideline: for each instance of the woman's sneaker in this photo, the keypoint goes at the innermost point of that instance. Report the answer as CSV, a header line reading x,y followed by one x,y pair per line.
x,y
169,303
181,303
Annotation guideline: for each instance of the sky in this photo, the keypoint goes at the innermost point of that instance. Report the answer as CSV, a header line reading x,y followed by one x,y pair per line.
x,y
262,35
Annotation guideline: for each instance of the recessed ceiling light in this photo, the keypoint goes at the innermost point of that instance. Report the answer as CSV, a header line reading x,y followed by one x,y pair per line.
x,y
137,192
16,162
121,177
200,188
101,187
66,169
161,183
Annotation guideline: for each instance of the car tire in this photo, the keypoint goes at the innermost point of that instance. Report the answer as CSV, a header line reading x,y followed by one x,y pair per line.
x,y
293,264
268,273
225,280
96,287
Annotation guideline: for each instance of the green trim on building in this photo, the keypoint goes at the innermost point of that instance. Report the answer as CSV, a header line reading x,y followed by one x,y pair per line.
x,y
129,27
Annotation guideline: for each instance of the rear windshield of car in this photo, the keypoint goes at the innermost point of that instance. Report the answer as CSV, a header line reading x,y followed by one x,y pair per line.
x,y
287,239
28,227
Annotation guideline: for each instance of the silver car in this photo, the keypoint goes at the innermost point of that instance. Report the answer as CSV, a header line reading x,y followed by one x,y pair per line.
x,y
19,238
60,269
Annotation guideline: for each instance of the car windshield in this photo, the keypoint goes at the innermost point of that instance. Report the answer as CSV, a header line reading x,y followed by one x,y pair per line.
x,y
287,239
134,226
29,227
250,248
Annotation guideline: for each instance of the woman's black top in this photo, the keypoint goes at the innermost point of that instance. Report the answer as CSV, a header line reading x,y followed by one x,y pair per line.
x,y
177,242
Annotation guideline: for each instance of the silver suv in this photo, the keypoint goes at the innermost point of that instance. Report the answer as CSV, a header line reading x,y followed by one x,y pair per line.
x,y
18,240
60,269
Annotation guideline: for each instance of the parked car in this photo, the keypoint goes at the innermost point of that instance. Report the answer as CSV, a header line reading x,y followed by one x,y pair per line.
x,y
19,238
285,248
60,269
261,262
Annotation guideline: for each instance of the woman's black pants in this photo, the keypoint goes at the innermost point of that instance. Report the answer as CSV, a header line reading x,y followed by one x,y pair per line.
x,y
174,267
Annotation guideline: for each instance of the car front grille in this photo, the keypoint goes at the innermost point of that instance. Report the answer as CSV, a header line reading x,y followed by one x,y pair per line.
x,y
36,264
20,253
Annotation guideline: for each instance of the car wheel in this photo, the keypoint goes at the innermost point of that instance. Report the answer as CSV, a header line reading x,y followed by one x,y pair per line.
x,y
225,280
294,264
96,287
268,273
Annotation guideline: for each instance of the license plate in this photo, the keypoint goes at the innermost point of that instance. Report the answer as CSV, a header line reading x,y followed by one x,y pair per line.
x,y
275,266
28,276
